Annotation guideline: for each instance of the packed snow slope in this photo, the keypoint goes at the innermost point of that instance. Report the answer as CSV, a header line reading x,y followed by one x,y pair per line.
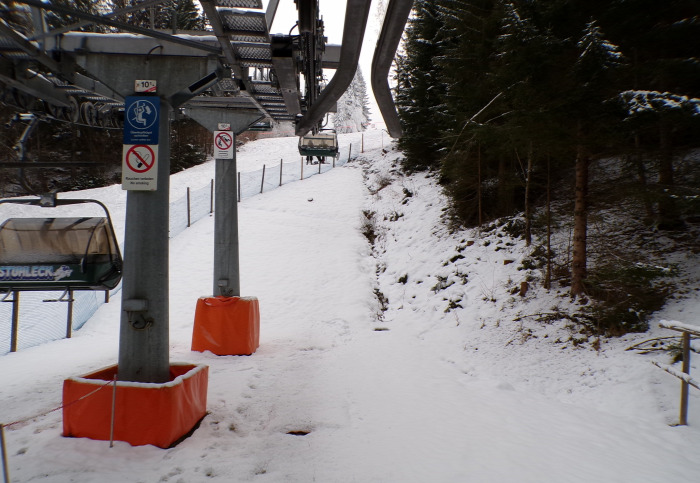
x,y
394,361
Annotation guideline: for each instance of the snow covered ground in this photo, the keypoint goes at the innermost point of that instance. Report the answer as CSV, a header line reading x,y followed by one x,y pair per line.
x,y
413,393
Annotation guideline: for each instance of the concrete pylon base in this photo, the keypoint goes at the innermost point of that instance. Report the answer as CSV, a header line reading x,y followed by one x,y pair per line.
x,y
226,326
144,413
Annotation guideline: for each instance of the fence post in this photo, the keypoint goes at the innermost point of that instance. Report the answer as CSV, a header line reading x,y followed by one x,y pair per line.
x,y
319,166
211,198
69,316
281,164
334,161
684,385
302,168
262,183
15,320
189,219
5,463
349,152
363,143
239,186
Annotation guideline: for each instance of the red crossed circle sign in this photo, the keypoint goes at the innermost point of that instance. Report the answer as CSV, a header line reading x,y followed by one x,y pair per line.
x,y
223,140
140,158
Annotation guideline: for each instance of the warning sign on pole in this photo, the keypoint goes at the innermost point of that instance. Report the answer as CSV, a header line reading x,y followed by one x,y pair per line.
x,y
139,170
223,145
141,120
140,148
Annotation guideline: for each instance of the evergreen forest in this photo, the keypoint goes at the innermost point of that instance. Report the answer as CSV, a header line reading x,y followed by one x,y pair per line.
x,y
574,123
568,116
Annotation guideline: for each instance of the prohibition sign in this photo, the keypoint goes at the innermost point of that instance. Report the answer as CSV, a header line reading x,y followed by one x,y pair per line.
x,y
223,140
140,158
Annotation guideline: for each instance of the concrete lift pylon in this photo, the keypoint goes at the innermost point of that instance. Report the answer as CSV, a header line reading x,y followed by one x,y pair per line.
x,y
226,280
144,329
90,78
113,62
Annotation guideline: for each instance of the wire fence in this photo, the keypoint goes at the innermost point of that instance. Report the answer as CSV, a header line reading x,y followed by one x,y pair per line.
x,y
41,322
275,175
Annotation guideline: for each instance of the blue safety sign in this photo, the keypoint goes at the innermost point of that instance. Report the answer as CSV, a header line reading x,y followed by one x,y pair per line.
x,y
141,124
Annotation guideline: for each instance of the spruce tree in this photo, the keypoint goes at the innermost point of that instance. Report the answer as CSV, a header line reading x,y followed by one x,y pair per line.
x,y
353,110
419,87
474,171
663,78
93,7
169,15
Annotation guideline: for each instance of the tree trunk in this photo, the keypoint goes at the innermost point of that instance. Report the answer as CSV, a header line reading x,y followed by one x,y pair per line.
x,y
502,203
528,215
548,275
642,175
478,185
578,263
669,216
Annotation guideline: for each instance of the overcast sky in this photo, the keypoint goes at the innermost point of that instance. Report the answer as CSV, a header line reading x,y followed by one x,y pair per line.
x,y
333,13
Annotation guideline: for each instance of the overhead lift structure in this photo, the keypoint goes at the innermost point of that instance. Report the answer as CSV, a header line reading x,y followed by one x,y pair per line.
x,y
236,73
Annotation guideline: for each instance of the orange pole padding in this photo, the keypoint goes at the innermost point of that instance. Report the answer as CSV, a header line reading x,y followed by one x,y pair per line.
x,y
226,326
145,413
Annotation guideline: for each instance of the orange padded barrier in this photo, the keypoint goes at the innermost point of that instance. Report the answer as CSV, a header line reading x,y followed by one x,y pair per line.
x,y
145,413
226,326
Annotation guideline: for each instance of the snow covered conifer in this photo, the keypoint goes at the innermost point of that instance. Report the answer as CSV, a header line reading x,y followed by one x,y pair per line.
x,y
353,107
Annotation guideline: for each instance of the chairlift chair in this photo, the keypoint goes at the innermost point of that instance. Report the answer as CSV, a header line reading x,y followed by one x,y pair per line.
x,y
323,144
71,253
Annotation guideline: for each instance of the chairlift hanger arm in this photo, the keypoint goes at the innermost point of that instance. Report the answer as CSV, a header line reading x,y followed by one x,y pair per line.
x,y
356,13
271,11
394,22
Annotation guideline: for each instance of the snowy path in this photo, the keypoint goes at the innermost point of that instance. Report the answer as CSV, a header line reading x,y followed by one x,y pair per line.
x,y
403,405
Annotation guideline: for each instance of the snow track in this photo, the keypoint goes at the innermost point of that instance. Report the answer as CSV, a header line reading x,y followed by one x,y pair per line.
x,y
459,396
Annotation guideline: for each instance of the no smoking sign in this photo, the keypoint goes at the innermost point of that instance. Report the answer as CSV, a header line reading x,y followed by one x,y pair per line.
x,y
140,158
223,144
139,167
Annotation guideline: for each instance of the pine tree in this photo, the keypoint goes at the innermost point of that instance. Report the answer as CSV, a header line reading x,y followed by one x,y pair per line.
x,y
663,69
419,88
527,67
353,107
473,169
169,15
597,58
93,7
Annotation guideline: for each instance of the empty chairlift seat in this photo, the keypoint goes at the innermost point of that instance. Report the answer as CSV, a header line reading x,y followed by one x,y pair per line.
x,y
58,254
